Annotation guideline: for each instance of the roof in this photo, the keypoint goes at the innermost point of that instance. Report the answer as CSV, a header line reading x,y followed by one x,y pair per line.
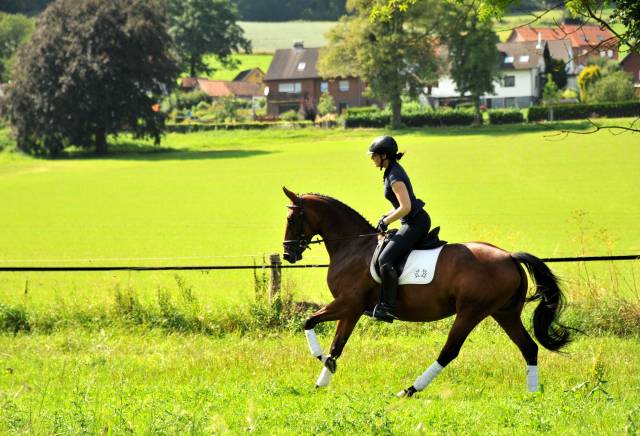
x,y
560,49
220,88
574,32
525,55
628,57
242,75
189,82
286,64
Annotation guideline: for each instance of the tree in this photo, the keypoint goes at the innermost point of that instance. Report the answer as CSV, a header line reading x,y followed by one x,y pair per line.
x,y
474,55
588,76
326,105
92,68
556,67
308,108
394,57
200,27
14,30
615,87
551,93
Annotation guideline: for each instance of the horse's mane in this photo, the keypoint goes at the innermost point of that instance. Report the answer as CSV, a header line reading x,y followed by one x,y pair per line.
x,y
344,206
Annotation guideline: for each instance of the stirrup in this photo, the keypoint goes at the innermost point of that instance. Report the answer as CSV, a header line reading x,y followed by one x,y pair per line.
x,y
380,314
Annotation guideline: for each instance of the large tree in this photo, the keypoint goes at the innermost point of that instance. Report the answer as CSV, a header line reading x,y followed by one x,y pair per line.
x,y
92,68
395,57
200,27
473,56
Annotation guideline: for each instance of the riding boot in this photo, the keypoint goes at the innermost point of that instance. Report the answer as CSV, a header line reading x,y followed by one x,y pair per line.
x,y
385,311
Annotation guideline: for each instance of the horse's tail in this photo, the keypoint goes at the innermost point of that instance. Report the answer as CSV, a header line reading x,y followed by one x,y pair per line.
x,y
551,334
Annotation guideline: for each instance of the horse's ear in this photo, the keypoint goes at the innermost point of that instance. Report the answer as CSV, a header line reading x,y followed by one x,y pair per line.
x,y
293,197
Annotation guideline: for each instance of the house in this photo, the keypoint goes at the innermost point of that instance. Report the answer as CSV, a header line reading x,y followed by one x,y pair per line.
x,y
587,41
254,75
631,64
522,65
219,88
292,76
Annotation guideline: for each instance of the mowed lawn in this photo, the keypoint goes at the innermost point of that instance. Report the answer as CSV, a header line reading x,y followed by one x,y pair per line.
x,y
217,199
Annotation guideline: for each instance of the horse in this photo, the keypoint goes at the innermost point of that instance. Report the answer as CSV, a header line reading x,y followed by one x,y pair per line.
x,y
473,280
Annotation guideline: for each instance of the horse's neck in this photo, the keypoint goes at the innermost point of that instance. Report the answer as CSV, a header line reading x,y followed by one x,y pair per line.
x,y
339,229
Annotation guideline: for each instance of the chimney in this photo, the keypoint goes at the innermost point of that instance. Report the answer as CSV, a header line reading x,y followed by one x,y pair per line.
x,y
539,41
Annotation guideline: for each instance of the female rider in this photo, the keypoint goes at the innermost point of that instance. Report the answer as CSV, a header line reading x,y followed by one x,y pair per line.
x,y
406,208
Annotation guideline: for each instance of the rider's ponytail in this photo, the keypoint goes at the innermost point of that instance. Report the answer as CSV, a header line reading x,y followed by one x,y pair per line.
x,y
398,156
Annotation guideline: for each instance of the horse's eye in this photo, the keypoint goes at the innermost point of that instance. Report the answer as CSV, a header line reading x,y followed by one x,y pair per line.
x,y
290,219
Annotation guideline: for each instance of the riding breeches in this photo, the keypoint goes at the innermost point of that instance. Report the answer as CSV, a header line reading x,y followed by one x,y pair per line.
x,y
406,237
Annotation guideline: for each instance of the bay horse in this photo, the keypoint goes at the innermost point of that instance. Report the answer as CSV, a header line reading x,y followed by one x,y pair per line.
x,y
472,281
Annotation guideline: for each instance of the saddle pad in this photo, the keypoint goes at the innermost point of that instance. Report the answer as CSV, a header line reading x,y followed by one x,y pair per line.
x,y
419,269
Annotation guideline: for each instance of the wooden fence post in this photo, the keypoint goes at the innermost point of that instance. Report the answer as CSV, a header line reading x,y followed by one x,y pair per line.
x,y
274,281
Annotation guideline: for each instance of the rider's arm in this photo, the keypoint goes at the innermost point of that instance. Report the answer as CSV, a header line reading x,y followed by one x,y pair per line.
x,y
400,189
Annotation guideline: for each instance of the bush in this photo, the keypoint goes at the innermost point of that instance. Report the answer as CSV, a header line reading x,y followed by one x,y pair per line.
x,y
455,117
581,111
291,115
505,116
184,100
200,127
308,108
363,110
203,106
612,88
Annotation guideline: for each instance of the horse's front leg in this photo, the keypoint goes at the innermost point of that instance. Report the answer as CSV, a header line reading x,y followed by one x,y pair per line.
x,y
347,319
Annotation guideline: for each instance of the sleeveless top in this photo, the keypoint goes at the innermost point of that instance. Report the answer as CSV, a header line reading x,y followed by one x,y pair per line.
x,y
395,173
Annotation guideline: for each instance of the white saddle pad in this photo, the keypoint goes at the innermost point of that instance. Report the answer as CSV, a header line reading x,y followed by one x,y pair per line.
x,y
419,269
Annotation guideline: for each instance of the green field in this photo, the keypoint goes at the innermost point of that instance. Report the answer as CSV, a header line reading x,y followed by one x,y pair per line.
x,y
215,198
261,61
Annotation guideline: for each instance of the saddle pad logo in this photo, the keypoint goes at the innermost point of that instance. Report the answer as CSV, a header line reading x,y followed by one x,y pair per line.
x,y
419,269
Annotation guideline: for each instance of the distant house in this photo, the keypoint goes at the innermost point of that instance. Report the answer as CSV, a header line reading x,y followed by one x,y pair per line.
x,y
220,88
587,41
522,65
631,64
254,75
292,76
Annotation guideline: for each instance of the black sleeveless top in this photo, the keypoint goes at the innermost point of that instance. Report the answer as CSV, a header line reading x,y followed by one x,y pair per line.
x,y
395,173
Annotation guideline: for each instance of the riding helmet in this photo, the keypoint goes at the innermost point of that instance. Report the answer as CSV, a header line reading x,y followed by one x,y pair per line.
x,y
383,144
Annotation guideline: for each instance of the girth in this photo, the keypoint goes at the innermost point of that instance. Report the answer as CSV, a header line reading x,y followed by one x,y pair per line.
x,y
428,242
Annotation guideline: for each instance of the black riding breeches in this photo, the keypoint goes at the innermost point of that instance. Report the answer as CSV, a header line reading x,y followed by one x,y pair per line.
x,y
408,235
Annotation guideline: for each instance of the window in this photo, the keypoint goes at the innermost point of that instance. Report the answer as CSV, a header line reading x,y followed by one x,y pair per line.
x,y
510,102
324,86
487,103
602,54
524,58
600,38
282,108
343,106
289,87
610,53
585,38
509,81
301,66
584,51
257,74
344,85
508,60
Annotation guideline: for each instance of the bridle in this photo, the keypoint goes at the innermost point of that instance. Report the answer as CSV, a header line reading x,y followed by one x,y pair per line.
x,y
301,243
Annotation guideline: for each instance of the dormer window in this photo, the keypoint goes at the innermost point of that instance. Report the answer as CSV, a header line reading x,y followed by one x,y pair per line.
x,y
508,60
585,38
301,66
601,38
524,58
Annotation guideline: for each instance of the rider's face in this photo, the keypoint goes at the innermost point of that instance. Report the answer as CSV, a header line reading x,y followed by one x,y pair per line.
x,y
377,160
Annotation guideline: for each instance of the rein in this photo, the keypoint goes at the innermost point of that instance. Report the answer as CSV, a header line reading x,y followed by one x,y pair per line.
x,y
302,242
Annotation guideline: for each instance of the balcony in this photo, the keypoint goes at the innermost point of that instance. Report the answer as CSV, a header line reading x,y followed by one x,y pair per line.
x,y
282,97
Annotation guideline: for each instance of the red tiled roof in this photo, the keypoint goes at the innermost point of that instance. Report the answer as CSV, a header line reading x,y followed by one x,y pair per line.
x,y
189,82
575,32
219,88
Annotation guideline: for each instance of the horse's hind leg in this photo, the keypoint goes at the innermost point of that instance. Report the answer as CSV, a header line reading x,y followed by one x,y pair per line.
x,y
462,326
512,325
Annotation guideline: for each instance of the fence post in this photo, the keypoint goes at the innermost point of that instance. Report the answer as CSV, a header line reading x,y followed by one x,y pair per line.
x,y
274,281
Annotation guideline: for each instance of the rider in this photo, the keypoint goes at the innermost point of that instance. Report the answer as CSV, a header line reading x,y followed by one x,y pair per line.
x,y
406,208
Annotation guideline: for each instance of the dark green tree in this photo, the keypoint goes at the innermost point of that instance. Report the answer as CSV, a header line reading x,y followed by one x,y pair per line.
x,y
556,67
201,27
473,56
14,30
92,68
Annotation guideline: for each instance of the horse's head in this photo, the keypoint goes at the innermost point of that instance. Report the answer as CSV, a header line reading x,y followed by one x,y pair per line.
x,y
299,230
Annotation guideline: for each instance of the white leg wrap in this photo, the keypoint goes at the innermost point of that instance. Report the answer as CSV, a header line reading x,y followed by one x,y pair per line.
x,y
314,345
424,380
532,378
324,379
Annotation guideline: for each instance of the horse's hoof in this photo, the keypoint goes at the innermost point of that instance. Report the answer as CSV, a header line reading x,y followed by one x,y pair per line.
x,y
407,392
317,387
331,365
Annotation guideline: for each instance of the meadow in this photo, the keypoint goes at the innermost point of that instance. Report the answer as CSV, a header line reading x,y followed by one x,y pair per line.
x,y
88,366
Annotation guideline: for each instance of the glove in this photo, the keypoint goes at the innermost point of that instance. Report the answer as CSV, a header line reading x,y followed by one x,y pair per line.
x,y
381,225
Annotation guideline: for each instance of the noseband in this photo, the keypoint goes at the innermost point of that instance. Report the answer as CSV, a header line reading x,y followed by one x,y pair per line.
x,y
301,243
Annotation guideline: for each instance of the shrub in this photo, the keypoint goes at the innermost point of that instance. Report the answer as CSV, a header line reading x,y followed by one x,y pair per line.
x,y
184,100
570,93
505,116
581,111
291,115
196,127
203,106
308,108
363,110
612,88
454,117
588,77
327,104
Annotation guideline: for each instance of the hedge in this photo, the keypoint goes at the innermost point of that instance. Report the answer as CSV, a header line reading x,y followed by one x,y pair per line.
x,y
437,118
199,127
581,111
505,116
362,110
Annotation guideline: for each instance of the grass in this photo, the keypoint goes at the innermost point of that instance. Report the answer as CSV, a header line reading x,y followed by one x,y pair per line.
x,y
247,61
268,37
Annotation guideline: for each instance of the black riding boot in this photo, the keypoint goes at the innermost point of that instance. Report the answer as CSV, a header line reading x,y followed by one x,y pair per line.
x,y
386,310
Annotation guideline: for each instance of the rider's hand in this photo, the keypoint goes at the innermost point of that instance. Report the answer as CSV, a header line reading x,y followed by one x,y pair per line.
x,y
381,225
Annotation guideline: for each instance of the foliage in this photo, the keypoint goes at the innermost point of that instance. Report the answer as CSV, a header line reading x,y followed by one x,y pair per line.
x,y
362,110
627,12
308,108
551,93
14,30
473,55
226,108
276,11
179,100
291,115
262,102
25,7
505,116
556,67
326,105
439,118
616,87
581,111
587,77
90,69
395,58
570,93
200,27
207,127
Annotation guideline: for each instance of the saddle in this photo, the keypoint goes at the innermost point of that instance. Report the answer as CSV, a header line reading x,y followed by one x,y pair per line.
x,y
428,242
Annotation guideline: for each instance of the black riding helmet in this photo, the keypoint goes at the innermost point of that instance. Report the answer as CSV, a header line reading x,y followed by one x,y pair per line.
x,y
383,145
